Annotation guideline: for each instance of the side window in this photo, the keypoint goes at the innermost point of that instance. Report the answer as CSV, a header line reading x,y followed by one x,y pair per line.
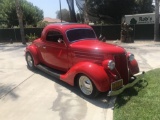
x,y
54,36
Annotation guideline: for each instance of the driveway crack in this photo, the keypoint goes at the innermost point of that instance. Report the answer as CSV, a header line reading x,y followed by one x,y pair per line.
x,y
16,87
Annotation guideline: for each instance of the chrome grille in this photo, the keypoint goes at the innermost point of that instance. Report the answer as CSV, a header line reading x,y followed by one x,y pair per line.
x,y
122,67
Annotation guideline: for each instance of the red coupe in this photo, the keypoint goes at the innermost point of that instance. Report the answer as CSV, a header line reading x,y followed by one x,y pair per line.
x,y
73,53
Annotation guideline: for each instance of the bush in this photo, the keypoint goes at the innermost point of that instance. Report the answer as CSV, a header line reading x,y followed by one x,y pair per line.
x,y
42,24
31,37
3,26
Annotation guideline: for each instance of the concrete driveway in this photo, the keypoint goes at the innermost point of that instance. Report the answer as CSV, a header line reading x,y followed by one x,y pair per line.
x,y
147,53
27,95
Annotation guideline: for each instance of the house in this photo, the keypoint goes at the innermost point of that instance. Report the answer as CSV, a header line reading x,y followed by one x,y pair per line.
x,y
52,20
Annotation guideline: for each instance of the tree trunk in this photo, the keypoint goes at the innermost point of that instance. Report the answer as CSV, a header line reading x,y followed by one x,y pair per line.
x,y
86,18
72,11
20,19
156,25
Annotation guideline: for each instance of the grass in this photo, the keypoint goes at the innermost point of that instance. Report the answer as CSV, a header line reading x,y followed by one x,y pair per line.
x,y
141,102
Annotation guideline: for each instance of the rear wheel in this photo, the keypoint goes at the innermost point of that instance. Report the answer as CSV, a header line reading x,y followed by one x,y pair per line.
x,y
30,61
87,87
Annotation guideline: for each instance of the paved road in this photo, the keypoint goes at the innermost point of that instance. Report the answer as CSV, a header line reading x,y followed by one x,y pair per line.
x,y
27,95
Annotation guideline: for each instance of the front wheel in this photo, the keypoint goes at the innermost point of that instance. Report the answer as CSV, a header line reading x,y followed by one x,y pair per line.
x,y
87,87
30,61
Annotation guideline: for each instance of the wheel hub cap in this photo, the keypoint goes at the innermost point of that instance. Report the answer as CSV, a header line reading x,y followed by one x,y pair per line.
x,y
85,85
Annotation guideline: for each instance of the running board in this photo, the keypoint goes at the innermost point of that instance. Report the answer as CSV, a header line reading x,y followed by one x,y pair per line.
x,y
50,71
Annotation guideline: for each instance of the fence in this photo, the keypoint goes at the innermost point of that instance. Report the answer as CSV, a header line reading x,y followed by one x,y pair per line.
x,y
111,32
14,34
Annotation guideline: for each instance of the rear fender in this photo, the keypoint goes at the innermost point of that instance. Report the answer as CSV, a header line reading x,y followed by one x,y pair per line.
x,y
32,49
95,72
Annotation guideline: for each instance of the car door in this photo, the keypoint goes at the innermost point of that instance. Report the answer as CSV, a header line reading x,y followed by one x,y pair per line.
x,y
56,55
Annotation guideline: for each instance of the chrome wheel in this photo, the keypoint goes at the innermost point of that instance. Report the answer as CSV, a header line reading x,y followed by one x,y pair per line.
x,y
85,85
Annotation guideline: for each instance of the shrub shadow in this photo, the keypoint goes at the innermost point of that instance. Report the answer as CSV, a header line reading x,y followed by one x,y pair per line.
x,y
125,97
7,90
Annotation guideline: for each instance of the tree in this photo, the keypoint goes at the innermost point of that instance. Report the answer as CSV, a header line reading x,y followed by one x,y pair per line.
x,y
112,11
72,11
80,17
20,19
156,25
31,14
144,6
86,17
65,15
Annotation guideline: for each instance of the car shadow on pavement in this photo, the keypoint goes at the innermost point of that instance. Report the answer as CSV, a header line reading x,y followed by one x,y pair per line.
x,y
8,90
102,100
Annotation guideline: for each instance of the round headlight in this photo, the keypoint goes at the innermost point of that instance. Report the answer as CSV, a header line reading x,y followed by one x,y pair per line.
x,y
131,57
111,64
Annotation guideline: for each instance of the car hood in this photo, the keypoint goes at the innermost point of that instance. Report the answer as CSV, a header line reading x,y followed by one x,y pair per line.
x,y
96,46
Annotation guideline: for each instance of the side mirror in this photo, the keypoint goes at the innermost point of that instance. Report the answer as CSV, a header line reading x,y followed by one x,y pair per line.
x,y
60,41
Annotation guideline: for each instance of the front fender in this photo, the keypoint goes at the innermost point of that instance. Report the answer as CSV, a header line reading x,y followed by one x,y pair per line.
x,y
32,49
95,72
133,67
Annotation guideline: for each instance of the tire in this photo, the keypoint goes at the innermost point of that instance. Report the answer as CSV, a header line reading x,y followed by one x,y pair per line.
x,y
30,61
87,87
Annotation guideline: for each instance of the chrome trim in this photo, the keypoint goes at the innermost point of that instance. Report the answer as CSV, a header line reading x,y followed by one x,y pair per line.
x,y
116,92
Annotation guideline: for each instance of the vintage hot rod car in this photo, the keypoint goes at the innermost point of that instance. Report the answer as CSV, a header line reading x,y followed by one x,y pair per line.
x,y
72,53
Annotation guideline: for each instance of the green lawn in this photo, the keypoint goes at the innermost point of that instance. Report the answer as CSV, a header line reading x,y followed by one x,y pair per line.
x,y
141,102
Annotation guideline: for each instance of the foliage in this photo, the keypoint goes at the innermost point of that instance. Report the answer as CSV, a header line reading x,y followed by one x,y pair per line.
x,y
80,17
65,15
31,14
144,6
31,37
113,10
3,26
42,24
140,102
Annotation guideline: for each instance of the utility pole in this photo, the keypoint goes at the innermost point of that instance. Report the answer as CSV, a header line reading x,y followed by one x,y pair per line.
x,y
20,19
60,9
156,24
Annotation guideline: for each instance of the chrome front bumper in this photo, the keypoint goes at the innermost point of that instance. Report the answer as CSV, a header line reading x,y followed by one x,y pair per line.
x,y
116,92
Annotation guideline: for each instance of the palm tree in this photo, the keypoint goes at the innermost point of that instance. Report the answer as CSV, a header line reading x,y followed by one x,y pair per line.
x,y
72,11
156,25
86,18
20,19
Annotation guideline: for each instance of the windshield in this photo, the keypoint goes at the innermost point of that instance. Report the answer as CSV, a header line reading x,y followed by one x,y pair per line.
x,y
79,34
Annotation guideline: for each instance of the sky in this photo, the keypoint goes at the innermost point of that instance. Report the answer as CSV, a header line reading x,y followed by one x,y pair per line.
x,y
49,7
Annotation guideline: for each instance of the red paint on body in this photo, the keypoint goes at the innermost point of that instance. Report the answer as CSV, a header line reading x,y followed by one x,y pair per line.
x,y
83,56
